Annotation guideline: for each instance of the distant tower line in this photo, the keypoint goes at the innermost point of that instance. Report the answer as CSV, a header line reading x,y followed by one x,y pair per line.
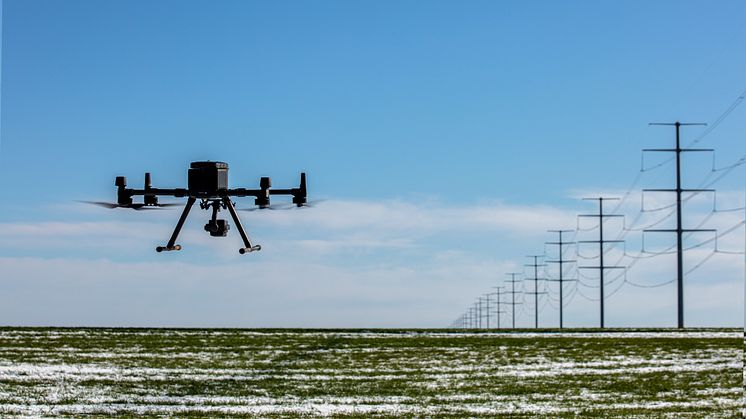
x,y
601,241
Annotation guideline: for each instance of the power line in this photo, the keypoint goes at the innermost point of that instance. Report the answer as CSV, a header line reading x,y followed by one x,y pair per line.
x,y
720,118
649,286
702,262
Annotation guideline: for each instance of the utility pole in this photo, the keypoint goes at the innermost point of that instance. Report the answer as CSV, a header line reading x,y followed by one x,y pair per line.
x,y
536,292
678,230
601,266
498,293
487,300
561,261
513,292
479,312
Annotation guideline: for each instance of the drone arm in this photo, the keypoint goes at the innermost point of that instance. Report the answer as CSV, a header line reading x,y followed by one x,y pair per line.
x,y
247,244
242,192
282,191
178,193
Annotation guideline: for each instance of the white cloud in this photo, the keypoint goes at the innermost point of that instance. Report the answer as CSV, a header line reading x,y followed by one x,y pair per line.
x,y
419,218
264,293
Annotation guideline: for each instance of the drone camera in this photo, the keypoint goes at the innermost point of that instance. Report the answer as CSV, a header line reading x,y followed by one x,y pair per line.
x,y
206,178
217,228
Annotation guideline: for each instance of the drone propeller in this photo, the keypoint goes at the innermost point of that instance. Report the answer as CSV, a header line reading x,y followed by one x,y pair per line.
x,y
311,204
269,208
285,207
138,207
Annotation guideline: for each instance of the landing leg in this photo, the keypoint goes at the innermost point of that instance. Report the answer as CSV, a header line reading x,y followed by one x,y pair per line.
x,y
172,242
247,244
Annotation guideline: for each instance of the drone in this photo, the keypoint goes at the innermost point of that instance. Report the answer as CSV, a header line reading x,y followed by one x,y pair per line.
x,y
208,182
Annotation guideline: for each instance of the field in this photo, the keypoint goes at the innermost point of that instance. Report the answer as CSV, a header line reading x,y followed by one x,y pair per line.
x,y
291,373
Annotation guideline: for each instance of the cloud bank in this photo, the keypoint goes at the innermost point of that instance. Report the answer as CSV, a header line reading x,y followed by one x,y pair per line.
x,y
340,264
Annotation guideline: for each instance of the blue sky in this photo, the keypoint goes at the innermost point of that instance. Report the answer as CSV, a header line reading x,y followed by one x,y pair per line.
x,y
445,136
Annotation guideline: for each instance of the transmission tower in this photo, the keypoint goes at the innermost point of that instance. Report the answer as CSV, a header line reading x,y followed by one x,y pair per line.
x,y
498,293
477,316
678,230
561,261
601,267
486,299
536,292
512,293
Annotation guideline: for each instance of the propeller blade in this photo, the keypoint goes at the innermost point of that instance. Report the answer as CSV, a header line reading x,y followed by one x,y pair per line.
x,y
313,203
285,207
138,207
269,208
101,204
281,207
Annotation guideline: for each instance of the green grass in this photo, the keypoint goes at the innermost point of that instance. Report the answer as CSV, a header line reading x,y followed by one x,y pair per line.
x,y
353,373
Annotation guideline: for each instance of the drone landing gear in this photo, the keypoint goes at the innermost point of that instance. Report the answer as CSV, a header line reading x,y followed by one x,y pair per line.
x,y
216,228
172,242
167,249
248,248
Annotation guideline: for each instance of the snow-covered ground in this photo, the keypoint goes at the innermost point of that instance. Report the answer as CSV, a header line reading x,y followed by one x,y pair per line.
x,y
213,372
